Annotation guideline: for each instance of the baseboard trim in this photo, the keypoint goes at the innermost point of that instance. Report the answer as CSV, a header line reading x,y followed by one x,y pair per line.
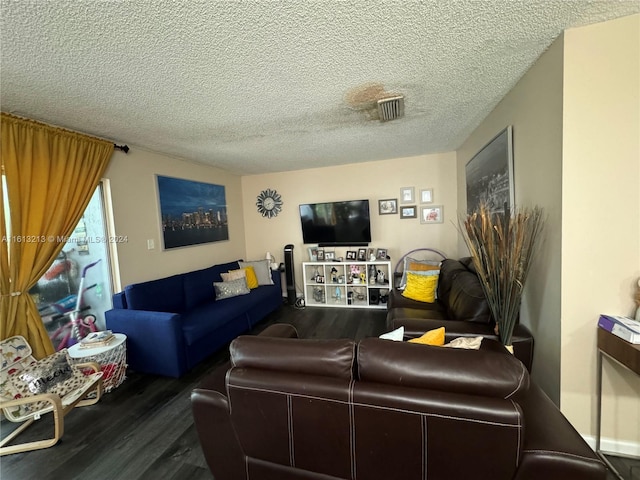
x,y
613,445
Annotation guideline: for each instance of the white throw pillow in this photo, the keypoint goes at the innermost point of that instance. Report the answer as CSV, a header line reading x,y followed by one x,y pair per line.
x,y
396,335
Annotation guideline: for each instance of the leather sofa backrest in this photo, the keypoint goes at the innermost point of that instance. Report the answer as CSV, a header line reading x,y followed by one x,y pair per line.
x,y
414,412
470,372
289,403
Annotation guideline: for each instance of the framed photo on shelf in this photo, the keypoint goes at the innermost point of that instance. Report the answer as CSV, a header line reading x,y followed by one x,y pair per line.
x,y
329,255
426,195
381,254
320,255
408,212
388,206
432,214
351,254
313,254
371,254
407,195
362,254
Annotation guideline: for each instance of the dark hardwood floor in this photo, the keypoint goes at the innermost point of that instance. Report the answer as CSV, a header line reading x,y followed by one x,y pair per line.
x,y
144,428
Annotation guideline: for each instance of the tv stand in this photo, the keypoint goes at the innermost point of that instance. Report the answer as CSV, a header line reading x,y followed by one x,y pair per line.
x,y
332,284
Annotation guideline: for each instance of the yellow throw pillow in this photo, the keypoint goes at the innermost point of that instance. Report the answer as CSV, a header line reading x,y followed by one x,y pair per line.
x,y
421,287
252,279
432,337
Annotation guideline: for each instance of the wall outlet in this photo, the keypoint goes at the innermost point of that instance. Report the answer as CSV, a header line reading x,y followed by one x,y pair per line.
x,y
151,244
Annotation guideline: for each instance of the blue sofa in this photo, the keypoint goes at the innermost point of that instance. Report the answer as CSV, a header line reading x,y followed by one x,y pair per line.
x,y
174,323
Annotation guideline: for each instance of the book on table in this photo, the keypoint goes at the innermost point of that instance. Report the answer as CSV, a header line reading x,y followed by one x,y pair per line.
x,y
97,339
624,327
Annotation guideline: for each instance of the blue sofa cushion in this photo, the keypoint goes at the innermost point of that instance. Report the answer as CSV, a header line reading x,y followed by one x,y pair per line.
x,y
198,285
204,319
163,295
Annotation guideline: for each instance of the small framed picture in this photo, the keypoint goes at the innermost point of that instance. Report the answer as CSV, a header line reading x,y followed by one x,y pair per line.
x,y
407,195
320,255
371,254
408,212
351,254
381,254
329,255
313,254
432,214
362,254
426,195
388,206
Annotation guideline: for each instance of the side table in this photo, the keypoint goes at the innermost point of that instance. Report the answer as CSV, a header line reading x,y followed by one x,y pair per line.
x,y
111,358
625,354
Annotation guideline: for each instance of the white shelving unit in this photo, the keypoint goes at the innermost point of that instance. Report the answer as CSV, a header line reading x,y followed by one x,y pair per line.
x,y
349,284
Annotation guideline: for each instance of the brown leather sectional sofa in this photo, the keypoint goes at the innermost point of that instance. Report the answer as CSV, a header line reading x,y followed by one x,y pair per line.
x,y
461,307
381,410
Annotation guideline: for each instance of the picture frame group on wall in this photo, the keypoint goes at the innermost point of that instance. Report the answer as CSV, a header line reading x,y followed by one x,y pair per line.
x,y
432,214
388,206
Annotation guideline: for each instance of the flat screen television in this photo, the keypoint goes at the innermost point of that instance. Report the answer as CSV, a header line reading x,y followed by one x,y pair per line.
x,y
336,223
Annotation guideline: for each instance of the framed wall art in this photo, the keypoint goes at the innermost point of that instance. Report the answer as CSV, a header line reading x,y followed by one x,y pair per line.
x,y
408,211
388,206
407,195
426,195
191,212
432,214
489,175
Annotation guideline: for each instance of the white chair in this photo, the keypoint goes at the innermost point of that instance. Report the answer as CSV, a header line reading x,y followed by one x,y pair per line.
x,y
30,388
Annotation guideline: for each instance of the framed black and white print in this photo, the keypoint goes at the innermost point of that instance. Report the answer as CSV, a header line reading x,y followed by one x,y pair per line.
x,y
388,206
489,175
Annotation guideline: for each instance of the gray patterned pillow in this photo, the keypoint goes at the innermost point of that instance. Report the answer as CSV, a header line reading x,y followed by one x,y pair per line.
x,y
231,289
262,269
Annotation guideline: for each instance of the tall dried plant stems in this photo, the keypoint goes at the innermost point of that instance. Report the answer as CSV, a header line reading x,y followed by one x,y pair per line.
x,y
502,246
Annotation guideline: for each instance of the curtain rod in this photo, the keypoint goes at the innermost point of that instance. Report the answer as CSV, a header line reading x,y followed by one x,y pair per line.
x,y
124,148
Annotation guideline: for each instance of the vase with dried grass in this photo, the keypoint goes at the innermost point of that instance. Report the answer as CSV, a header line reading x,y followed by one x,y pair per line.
x,y
502,247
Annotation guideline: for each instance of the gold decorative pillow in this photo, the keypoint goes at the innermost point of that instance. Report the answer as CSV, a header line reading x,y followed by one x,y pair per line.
x,y
252,279
421,287
432,337
422,267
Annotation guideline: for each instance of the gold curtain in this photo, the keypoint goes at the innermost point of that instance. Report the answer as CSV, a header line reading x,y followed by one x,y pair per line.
x,y
51,174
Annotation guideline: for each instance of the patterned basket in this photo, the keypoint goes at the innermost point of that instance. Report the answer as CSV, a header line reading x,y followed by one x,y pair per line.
x,y
113,364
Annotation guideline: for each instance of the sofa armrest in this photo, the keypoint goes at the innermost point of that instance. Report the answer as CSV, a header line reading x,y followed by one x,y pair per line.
x,y
552,447
154,340
218,439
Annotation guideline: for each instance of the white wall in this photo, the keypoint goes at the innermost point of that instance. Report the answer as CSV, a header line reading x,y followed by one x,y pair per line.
x,y
534,108
373,181
133,186
601,217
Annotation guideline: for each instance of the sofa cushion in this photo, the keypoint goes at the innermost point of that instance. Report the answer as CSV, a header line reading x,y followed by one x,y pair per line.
x,y
206,318
449,269
198,285
490,371
467,300
163,295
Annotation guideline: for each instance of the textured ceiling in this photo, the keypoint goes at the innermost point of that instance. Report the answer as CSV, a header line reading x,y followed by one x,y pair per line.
x,y
265,86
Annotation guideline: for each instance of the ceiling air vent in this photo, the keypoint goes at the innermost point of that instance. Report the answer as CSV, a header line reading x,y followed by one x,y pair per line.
x,y
391,108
